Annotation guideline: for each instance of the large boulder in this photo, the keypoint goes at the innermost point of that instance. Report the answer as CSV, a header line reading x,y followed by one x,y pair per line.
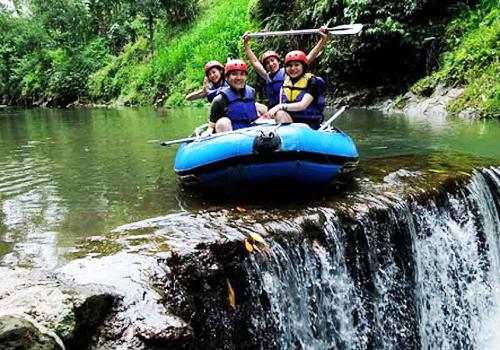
x,y
71,315
18,333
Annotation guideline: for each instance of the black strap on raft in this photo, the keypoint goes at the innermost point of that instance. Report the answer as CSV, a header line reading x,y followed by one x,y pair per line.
x,y
266,142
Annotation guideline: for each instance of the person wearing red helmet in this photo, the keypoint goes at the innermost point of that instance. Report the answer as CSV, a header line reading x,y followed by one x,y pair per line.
x,y
301,98
234,108
268,68
213,82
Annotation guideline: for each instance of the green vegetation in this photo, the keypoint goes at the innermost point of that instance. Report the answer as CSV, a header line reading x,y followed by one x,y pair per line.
x,y
153,51
390,55
48,49
472,60
176,66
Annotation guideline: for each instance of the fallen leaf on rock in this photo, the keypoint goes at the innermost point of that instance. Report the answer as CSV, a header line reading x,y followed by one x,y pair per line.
x,y
230,294
257,238
316,245
248,246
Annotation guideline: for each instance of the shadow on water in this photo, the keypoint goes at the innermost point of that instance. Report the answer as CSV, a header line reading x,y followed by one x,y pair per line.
x,y
373,175
284,195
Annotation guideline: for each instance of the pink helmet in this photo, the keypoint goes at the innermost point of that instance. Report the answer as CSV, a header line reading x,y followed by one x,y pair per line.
x,y
296,55
268,54
212,64
233,65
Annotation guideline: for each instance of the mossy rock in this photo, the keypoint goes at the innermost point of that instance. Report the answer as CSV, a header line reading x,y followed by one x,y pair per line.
x,y
424,87
19,333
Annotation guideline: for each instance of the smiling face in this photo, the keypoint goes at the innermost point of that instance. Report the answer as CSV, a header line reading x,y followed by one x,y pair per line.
x,y
214,75
272,64
294,69
237,79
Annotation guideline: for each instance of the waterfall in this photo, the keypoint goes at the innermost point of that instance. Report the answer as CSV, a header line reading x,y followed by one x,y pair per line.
x,y
457,252
413,274
313,299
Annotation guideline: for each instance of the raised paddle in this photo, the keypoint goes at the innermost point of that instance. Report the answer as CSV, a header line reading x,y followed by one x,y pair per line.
x,y
345,29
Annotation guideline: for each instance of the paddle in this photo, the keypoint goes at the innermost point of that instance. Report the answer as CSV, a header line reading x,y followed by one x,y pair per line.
x,y
345,29
326,124
323,127
197,138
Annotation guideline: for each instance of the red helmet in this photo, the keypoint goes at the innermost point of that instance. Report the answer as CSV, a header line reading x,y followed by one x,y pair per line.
x,y
212,64
268,54
235,65
296,55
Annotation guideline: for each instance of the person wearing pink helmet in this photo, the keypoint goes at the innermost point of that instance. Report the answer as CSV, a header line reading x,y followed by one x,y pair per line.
x,y
301,99
234,107
213,82
268,68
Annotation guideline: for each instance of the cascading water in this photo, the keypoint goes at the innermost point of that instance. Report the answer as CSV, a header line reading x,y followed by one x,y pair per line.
x,y
458,262
419,274
313,299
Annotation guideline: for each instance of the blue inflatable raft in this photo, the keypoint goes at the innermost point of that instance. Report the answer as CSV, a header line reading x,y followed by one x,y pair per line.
x,y
266,154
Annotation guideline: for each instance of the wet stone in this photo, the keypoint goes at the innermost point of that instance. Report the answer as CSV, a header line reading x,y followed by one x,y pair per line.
x,y
70,314
19,333
225,292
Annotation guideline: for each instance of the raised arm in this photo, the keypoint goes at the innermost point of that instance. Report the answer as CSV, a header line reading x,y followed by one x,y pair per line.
x,y
320,45
261,71
201,93
196,95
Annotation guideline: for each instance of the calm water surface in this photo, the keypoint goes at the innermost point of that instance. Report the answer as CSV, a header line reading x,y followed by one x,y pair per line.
x,y
66,175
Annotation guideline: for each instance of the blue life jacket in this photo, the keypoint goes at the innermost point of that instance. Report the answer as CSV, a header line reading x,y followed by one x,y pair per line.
x,y
294,92
214,90
273,87
240,109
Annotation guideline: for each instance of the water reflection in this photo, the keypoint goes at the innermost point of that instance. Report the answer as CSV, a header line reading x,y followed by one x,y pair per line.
x,y
69,175
379,135
66,175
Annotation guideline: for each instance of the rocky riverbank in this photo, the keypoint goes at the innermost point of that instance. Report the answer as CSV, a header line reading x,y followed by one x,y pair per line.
x,y
434,106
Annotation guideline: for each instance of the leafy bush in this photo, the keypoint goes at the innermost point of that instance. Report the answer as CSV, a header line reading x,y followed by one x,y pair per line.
x,y
392,50
482,95
177,65
108,82
473,61
50,49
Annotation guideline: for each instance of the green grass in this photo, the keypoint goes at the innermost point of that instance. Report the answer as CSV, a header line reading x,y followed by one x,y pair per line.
x,y
482,94
177,65
474,63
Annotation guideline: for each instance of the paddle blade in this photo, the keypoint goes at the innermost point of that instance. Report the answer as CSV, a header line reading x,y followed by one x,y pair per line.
x,y
346,29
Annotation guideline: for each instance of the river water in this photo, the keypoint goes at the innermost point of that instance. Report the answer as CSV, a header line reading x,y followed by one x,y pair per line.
x,y
86,190
66,175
